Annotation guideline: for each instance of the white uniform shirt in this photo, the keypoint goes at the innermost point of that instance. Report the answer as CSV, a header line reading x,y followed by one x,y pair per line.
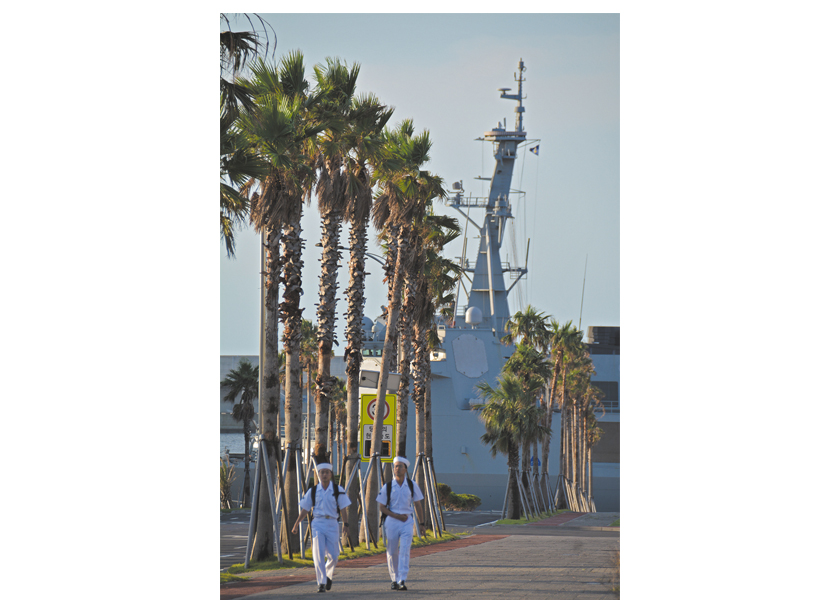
x,y
401,498
325,501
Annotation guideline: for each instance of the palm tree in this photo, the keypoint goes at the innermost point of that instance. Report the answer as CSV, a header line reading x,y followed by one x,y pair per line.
x,y
243,383
238,163
427,236
508,415
338,84
413,267
364,133
529,327
433,295
393,164
563,342
308,363
338,420
576,390
235,49
281,129
405,190
530,366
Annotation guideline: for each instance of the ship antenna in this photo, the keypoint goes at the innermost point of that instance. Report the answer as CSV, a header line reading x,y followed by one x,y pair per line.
x,y
520,110
580,318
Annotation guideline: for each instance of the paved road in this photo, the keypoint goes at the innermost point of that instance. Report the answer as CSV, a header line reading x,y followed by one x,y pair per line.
x,y
566,557
234,531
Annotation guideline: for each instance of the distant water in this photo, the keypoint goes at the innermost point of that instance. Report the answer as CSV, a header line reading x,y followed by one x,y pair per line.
x,y
234,442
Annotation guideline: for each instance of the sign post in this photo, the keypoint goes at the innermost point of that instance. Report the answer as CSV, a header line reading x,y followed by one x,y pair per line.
x,y
389,423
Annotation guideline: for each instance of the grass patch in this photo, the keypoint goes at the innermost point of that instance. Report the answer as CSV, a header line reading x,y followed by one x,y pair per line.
x,y
615,523
524,520
227,578
360,551
272,564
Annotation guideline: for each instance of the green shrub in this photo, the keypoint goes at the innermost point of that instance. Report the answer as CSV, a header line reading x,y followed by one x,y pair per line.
x,y
467,501
444,492
452,501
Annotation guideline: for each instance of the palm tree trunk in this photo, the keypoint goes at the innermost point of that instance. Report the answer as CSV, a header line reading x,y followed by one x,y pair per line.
x,y
291,315
581,454
406,328
514,503
353,357
549,422
262,547
419,395
573,442
546,449
388,355
581,450
427,407
330,229
526,467
565,449
394,285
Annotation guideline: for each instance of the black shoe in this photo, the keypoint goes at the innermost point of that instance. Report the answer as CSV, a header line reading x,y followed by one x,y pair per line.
x,y
329,583
402,586
321,588
394,585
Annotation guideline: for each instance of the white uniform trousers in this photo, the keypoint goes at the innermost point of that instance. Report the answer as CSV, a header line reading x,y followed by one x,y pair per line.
x,y
325,533
398,546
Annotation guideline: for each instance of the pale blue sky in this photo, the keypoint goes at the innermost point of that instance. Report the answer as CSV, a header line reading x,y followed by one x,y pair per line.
x,y
443,71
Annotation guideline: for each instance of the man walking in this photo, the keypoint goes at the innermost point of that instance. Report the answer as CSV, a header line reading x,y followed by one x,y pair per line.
x,y
325,499
395,502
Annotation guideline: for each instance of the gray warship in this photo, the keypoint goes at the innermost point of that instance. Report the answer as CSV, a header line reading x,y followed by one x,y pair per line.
x,y
471,350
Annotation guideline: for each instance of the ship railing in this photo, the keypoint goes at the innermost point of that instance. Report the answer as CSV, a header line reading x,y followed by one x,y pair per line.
x,y
469,201
514,271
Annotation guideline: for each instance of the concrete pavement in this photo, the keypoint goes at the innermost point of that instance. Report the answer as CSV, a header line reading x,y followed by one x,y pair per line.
x,y
564,557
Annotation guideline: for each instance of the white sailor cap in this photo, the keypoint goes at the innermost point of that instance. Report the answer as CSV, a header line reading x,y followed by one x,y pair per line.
x,y
321,466
400,459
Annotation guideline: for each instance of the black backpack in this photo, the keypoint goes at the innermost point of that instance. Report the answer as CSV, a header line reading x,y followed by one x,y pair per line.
x,y
388,504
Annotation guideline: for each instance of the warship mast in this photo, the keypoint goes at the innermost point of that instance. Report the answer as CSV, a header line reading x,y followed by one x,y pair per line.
x,y
488,293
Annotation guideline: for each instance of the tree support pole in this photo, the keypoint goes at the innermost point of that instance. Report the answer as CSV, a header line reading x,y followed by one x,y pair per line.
x,y
434,505
268,466
535,491
417,465
430,500
431,463
369,533
518,480
508,491
283,510
298,459
362,508
252,527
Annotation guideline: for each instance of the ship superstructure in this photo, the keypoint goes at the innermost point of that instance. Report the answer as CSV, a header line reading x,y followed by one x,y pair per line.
x,y
472,350
488,292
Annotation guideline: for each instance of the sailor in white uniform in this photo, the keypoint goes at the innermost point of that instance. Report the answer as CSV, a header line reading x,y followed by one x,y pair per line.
x,y
326,526
399,521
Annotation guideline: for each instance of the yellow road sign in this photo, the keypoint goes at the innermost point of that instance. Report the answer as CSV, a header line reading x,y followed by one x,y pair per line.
x,y
389,424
